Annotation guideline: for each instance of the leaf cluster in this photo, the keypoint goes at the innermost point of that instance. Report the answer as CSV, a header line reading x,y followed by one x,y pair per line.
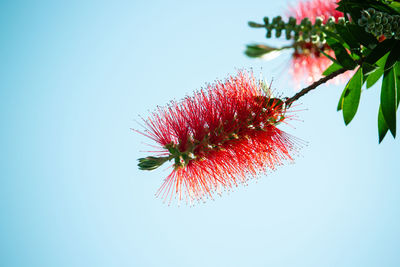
x,y
356,48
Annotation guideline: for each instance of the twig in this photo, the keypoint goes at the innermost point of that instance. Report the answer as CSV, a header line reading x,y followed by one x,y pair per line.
x,y
304,91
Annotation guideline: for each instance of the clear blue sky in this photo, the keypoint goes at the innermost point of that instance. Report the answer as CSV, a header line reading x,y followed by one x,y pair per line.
x,y
75,75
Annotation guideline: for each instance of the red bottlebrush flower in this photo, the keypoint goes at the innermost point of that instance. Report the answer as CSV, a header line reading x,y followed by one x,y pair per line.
x,y
218,138
308,63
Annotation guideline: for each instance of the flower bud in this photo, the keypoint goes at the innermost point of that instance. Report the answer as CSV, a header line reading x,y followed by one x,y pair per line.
x,y
371,11
288,34
388,35
318,21
292,21
278,33
362,21
365,14
314,39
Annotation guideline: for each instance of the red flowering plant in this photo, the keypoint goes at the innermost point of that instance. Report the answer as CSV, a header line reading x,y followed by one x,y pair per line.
x,y
228,133
219,138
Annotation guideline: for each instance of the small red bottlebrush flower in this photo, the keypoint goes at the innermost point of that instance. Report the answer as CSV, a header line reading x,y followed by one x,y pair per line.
x,y
219,138
308,63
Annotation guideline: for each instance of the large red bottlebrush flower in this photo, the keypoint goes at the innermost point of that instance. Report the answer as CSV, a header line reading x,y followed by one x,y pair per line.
x,y
218,138
308,63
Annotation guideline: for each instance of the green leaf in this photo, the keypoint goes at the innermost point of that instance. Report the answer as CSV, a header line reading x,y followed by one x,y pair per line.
x,y
333,35
332,68
374,76
393,57
347,36
341,54
328,56
379,51
368,68
397,71
389,99
351,96
366,39
382,126
395,6
340,104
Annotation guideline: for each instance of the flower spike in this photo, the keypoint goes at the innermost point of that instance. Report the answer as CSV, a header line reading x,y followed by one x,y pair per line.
x,y
219,138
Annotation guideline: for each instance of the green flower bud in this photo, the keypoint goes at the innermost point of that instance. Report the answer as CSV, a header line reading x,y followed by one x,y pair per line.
x,y
278,33
331,21
304,22
288,34
378,14
388,35
362,21
266,20
314,39
269,33
318,21
372,25
384,21
322,38
292,21
296,36
371,11
151,163
377,32
365,14
306,35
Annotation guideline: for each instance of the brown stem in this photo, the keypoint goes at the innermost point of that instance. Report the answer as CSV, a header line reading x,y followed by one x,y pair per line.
x,y
304,91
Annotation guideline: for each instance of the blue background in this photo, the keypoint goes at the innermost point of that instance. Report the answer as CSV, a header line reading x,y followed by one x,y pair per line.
x,y
75,75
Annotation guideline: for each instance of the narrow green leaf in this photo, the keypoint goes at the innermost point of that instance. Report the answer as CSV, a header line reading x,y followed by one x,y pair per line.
x,y
368,68
389,99
351,97
366,39
380,50
332,68
395,6
331,58
374,76
382,126
397,71
340,104
393,57
341,54
333,35
347,36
